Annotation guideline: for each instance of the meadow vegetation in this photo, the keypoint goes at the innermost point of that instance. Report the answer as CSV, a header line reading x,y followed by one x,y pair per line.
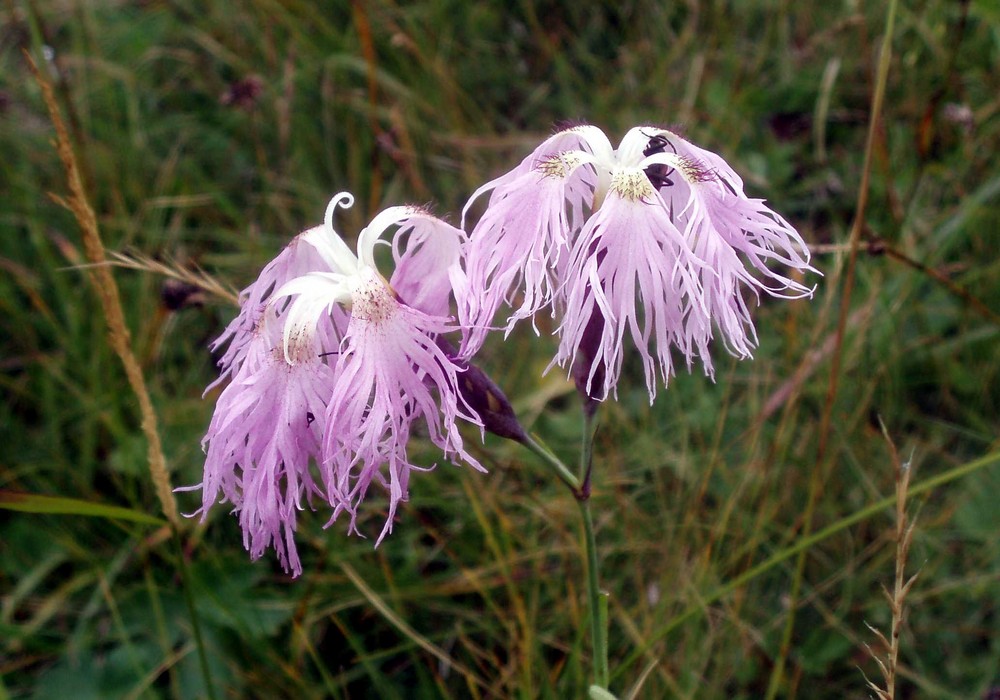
x,y
209,134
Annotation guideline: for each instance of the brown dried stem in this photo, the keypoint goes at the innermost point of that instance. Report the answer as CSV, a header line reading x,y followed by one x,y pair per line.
x,y
888,664
878,246
170,269
822,464
107,291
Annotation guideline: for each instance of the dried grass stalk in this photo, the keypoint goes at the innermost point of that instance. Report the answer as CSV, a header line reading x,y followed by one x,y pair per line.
x,y
107,290
888,663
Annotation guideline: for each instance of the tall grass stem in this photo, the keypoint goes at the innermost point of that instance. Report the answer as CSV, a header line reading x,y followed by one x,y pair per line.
x,y
107,290
803,544
120,341
820,468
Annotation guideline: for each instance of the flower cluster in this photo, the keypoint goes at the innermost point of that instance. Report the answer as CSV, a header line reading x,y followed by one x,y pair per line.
x,y
327,364
330,364
649,238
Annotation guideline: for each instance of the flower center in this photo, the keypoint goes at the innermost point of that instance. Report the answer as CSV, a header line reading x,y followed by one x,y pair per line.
x,y
300,350
372,300
559,165
631,184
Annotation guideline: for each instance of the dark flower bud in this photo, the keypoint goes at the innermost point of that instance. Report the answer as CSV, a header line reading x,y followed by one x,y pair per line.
x,y
586,375
484,397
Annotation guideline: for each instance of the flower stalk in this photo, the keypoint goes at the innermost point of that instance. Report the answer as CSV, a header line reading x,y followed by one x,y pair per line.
x,y
597,600
580,487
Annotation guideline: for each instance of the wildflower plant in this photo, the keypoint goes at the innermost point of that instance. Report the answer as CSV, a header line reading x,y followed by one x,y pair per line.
x,y
329,365
653,245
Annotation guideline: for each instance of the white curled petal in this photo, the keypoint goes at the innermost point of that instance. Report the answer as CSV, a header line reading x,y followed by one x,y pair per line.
x,y
314,294
332,249
371,233
331,284
596,140
635,142
328,242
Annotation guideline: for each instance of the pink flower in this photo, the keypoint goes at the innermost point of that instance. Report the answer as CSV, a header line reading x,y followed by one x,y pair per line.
x,y
652,238
267,426
389,370
331,367
521,242
629,250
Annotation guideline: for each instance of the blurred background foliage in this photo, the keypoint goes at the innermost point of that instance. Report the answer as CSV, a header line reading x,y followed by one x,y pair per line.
x,y
211,133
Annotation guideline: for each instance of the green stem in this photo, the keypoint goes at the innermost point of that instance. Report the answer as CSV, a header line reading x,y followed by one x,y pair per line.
x,y
535,444
597,600
598,608
580,487
199,641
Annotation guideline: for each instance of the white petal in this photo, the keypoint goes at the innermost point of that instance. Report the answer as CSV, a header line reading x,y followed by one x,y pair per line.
x,y
635,142
332,249
371,233
597,140
328,242
315,294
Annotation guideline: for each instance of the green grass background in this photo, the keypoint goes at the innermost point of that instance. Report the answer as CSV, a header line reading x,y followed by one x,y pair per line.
x,y
421,102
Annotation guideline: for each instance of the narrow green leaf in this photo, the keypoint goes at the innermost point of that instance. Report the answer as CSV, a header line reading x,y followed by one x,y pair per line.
x,y
36,503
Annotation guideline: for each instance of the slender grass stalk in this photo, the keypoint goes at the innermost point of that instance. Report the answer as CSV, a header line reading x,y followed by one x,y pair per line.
x,y
299,633
901,585
819,470
473,680
160,624
804,544
189,601
120,341
359,13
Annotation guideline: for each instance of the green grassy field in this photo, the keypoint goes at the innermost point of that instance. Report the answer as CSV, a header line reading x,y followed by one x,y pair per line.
x,y
208,136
